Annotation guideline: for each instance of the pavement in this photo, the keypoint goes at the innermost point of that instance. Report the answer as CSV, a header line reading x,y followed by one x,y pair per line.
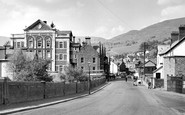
x,y
19,107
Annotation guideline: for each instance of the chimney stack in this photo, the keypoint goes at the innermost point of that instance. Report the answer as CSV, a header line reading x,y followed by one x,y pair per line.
x,y
174,36
45,22
181,32
73,39
88,40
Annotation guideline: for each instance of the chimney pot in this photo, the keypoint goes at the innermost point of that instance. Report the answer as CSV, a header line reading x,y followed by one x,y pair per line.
x,y
88,40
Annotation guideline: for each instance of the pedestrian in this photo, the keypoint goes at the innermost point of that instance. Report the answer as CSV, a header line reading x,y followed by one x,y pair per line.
x,y
126,79
149,85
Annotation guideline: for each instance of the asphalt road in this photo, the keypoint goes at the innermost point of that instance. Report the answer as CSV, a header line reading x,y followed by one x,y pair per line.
x,y
118,98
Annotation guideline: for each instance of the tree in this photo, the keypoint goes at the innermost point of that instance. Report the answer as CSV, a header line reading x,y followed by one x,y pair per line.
x,y
27,69
75,74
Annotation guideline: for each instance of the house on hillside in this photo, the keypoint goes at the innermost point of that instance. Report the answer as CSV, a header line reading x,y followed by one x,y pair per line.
x,y
174,57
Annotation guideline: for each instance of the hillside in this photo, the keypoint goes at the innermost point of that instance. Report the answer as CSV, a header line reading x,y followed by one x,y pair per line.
x,y
130,41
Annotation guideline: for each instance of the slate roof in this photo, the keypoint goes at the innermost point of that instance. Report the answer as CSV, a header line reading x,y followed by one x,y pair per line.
x,y
173,46
157,69
63,32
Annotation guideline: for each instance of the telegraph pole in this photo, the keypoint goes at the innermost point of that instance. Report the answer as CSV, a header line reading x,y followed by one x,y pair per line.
x,y
144,62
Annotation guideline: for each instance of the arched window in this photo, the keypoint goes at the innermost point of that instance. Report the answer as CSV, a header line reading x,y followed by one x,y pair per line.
x,y
39,42
48,42
30,42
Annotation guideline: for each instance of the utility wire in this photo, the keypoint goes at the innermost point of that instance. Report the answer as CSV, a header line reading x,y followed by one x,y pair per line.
x,y
121,20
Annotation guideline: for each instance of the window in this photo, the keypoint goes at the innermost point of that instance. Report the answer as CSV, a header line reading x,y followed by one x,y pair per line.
x,y
158,75
94,68
39,43
48,54
60,56
94,59
61,44
39,53
48,43
56,44
18,45
57,57
61,68
65,57
65,44
30,43
82,60
22,44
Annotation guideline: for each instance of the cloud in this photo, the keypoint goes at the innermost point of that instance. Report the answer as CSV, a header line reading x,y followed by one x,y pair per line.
x,y
173,12
108,32
170,2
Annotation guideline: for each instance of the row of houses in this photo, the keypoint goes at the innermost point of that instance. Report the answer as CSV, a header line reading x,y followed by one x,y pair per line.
x,y
59,46
170,62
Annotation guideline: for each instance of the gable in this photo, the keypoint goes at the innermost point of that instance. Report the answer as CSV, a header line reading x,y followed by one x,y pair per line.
x,y
38,25
88,50
149,64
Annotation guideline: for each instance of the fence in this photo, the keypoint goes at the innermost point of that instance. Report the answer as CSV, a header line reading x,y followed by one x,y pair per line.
x,y
14,92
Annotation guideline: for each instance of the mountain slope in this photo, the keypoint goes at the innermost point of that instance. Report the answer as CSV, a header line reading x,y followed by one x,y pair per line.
x,y
130,41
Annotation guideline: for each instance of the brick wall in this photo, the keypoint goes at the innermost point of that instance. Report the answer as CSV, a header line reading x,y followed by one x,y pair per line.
x,y
173,65
180,65
87,53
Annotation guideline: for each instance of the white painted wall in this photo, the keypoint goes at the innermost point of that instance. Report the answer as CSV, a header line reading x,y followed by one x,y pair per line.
x,y
5,71
113,68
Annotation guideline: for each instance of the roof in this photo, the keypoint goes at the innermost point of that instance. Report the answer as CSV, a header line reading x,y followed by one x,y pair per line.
x,y
149,63
43,27
173,46
63,32
157,69
96,47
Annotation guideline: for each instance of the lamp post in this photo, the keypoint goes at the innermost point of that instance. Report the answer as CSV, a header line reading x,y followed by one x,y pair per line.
x,y
89,85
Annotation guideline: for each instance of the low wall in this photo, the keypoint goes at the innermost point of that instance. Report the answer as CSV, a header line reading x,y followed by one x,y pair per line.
x,y
159,83
15,92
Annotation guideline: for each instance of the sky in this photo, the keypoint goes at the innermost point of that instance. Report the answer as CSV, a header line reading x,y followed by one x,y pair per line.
x,y
100,18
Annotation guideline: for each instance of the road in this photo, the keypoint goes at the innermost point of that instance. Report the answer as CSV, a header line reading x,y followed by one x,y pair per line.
x,y
118,98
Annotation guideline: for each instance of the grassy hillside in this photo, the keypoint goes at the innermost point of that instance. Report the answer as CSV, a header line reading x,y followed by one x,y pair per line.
x,y
130,41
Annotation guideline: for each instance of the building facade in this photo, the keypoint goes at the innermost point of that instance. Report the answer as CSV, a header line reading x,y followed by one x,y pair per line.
x,y
47,42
